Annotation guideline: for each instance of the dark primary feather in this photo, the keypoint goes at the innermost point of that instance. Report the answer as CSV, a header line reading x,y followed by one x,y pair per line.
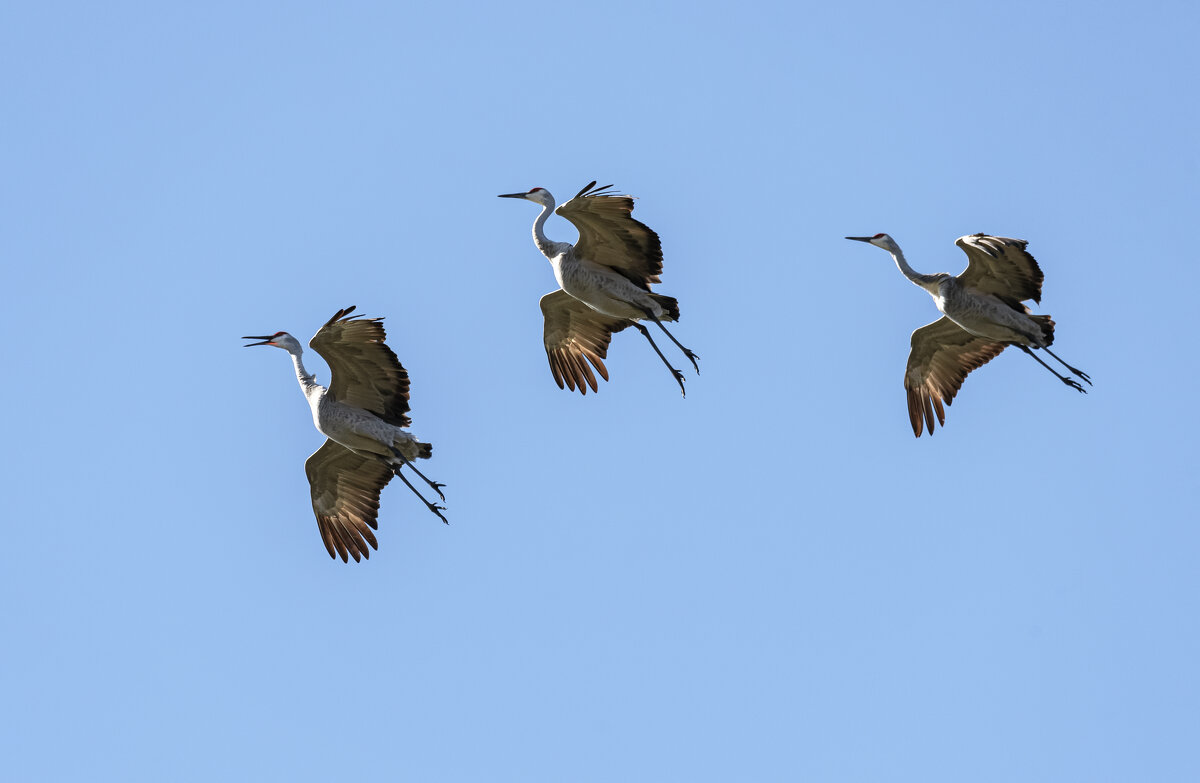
x,y
1000,266
590,189
609,235
366,373
942,355
575,335
345,498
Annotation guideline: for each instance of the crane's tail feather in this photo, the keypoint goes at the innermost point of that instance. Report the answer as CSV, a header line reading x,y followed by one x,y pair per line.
x,y
423,450
669,305
1045,323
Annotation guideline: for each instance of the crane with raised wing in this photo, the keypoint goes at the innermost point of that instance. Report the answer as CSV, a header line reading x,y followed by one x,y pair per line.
x,y
363,413
604,284
982,314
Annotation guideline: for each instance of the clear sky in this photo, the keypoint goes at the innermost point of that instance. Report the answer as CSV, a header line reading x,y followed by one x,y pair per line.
x,y
769,580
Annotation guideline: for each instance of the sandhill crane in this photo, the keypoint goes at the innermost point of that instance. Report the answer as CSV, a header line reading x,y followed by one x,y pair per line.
x,y
604,284
982,314
362,413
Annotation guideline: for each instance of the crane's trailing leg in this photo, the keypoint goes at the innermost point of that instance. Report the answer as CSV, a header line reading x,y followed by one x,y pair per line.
x,y
1075,370
686,351
1074,384
678,375
437,485
435,509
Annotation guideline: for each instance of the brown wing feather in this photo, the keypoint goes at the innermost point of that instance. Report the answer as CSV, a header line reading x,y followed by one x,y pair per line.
x,y
366,374
609,235
942,355
575,335
345,498
1000,266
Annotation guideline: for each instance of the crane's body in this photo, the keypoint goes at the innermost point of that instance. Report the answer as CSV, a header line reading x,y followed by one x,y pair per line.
x,y
604,283
603,290
983,314
599,287
363,413
355,428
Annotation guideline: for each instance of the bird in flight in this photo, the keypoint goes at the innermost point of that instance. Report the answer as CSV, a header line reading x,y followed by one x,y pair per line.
x,y
604,284
982,314
363,413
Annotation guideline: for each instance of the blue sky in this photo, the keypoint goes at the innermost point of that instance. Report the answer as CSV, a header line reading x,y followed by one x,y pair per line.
x,y
769,580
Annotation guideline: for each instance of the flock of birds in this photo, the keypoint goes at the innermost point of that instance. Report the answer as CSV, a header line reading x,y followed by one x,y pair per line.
x,y
604,286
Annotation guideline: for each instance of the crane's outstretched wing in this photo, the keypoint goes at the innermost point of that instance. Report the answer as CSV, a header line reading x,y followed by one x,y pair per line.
x,y
1001,266
610,236
942,355
345,497
366,374
575,334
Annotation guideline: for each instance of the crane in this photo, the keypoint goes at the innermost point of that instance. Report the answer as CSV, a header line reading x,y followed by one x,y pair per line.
x,y
362,414
604,284
982,314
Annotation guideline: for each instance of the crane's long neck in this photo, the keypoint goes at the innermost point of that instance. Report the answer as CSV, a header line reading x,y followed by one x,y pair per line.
x,y
928,282
308,384
540,239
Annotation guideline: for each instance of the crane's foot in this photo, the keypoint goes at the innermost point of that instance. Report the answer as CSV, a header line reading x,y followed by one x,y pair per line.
x,y
437,485
679,379
1074,384
689,354
438,510
1074,370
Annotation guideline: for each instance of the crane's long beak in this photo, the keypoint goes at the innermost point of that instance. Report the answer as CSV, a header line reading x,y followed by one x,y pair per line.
x,y
861,239
266,340
512,195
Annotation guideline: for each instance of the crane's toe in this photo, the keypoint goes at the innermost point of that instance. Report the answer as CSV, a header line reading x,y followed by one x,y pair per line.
x,y
438,511
679,379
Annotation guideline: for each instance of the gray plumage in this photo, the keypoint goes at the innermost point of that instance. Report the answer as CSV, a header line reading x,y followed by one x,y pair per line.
x,y
983,313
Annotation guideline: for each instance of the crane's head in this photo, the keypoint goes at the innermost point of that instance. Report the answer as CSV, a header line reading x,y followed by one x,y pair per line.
x,y
537,196
879,240
279,340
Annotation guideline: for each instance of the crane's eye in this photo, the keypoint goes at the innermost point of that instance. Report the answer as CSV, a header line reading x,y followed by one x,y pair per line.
x,y
877,236
535,190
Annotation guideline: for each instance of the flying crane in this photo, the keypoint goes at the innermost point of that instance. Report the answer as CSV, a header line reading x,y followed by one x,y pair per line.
x,y
982,314
604,284
363,414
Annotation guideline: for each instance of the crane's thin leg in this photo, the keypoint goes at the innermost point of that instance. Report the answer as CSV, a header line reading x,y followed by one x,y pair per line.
x,y
678,375
1074,384
1075,370
437,485
435,509
686,351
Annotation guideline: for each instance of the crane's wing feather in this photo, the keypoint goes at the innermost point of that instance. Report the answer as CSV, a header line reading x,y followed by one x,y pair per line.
x,y
609,235
575,334
366,374
942,355
1000,266
345,498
